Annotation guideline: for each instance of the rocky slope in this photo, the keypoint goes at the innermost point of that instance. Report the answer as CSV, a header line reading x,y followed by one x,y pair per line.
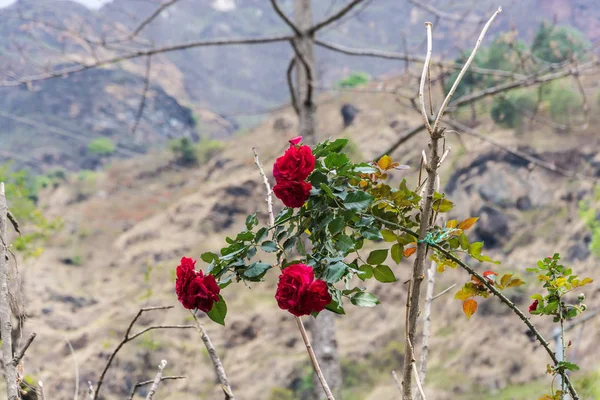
x,y
122,241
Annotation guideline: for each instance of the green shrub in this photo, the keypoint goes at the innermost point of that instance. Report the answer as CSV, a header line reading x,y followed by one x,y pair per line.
x,y
101,146
558,43
510,110
207,149
184,152
281,393
354,80
564,103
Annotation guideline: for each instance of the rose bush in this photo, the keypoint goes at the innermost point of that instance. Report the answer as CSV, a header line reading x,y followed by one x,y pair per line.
x,y
299,292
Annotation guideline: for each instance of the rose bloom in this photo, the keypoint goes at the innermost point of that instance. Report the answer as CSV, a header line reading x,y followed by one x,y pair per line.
x,y
193,288
533,306
299,292
295,165
293,193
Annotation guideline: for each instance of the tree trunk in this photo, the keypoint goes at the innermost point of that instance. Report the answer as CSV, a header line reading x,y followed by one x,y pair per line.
x,y
323,327
10,371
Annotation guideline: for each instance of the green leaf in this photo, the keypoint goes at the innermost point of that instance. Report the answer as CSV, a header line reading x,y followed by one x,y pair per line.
x,y
261,234
366,272
218,312
256,270
251,221
365,170
551,307
371,233
344,243
245,236
567,365
377,256
336,225
475,249
537,296
364,299
336,302
384,274
358,200
209,257
290,243
326,189
269,246
389,236
442,205
463,240
336,160
396,252
334,272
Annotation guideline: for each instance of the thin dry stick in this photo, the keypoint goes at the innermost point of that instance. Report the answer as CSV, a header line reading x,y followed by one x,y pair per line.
x,y
144,383
40,390
398,383
10,370
142,105
463,71
157,380
534,160
424,78
72,350
414,366
443,292
21,352
309,349
127,338
214,358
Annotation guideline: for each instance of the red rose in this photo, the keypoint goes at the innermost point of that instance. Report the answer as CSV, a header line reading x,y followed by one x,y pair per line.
x,y
292,193
193,288
295,165
533,306
299,292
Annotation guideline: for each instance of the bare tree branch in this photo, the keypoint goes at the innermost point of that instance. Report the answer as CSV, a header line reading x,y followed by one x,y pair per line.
x,y
21,352
144,383
343,11
127,338
157,380
290,82
534,160
214,358
140,112
309,73
424,76
144,53
411,58
144,23
445,15
463,71
285,18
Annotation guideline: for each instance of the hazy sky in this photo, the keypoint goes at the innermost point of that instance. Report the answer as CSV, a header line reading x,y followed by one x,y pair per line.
x,y
89,3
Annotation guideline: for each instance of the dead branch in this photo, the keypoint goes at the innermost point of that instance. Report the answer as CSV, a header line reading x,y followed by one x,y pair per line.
x,y
144,53
285,18
527,157
343,11
290,82
140,111
447,16
145,383
127,338
424,76
214,358
21,352
157,380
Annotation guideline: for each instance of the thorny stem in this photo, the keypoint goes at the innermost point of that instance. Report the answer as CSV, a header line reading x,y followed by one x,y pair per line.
x,y
309,348
498,294
157,380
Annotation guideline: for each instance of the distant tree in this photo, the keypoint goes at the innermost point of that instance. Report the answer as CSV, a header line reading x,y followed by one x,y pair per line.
x,y
558,43
102,146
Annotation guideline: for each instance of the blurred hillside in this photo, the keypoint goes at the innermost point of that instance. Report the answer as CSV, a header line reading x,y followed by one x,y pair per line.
x,y
127,225
208,92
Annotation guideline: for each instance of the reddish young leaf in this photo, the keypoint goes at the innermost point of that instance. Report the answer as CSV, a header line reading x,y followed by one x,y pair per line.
x,y
469,307
409,251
